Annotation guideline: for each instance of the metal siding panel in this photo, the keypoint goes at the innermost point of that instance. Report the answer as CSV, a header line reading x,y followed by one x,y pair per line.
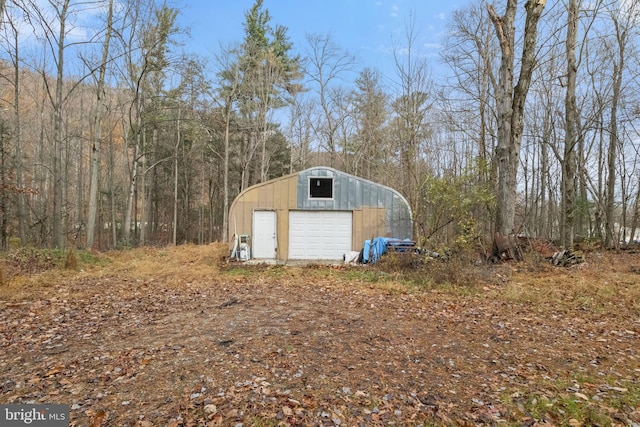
x,y
372,200
386,203
373,196
302,190
338,191
292,194
366,195
244,218
352,193
357,199
344,188
265,194
395,217
356,193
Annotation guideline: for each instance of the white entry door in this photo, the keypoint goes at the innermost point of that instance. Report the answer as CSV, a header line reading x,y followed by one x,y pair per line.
x,y
264,235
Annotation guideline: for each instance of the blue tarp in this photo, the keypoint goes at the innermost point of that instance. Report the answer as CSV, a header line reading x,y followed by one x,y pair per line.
x,y
375,248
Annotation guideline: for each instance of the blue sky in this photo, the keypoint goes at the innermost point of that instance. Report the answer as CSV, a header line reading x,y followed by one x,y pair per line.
x,y
369,29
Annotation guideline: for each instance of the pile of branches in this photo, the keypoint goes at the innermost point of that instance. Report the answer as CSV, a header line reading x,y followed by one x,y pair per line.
x,y
566,258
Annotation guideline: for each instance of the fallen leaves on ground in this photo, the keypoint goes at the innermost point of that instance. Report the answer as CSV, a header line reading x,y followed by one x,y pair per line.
x,y
299,347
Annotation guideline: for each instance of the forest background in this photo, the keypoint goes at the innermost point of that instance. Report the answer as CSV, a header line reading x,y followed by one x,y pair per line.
x,y
122,139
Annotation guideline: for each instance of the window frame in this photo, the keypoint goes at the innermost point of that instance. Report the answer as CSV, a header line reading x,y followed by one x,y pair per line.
x,y
323,178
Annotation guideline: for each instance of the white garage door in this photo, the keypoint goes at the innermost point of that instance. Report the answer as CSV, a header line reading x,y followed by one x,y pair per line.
x,y
319,235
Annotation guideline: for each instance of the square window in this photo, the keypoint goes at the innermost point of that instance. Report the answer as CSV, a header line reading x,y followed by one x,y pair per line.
x,y
321,188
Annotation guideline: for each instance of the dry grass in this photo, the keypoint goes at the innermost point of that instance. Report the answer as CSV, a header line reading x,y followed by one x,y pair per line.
x,y
71,260
605,280
518,336
184,263
32,273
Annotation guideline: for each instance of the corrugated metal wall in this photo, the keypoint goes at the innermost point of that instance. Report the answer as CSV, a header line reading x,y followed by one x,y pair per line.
x,y
351,193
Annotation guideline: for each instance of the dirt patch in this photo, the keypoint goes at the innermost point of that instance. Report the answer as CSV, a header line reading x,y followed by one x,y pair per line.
x,y
186,343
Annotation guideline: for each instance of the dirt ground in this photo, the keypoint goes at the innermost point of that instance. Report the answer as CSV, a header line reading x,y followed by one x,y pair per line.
x,y
176,337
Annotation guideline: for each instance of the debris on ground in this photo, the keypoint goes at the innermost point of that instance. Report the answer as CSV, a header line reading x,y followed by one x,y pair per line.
x,y
567,258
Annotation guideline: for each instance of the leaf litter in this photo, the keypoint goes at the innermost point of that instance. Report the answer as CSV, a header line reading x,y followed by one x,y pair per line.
x,y
293,346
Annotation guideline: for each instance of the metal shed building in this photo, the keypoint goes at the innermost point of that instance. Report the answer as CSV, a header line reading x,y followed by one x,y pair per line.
x,y
317,214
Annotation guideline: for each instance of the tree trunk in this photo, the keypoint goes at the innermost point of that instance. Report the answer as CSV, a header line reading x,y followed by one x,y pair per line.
x,y
544,222
599,214
610,240
58,181
112,195
144,193
126,231
4,202
97,140
225,190
175,183
20,202
609,214
2,6
78,219
42,177
571,137
510,107
636,215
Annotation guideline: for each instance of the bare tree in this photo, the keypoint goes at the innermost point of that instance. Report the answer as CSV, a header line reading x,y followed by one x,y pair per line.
x,y
97,128
58,182
466,102
53,21
569,164
299,132
328,64
13,44
624,18
469,52
411,108
510,106
57,43
543,123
